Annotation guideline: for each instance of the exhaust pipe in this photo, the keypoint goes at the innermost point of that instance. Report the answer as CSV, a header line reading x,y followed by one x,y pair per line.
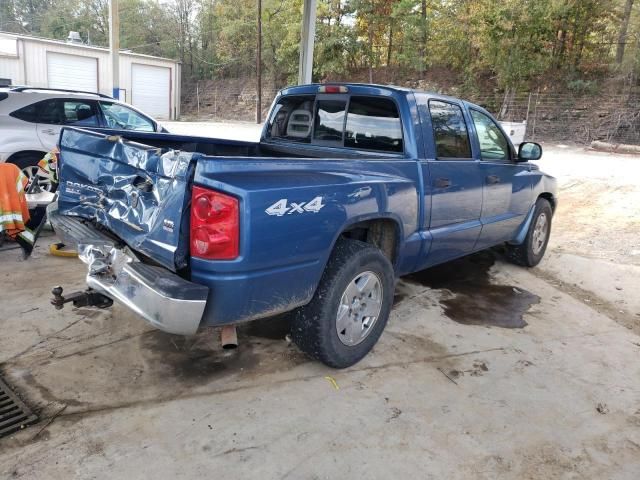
x,y
229,337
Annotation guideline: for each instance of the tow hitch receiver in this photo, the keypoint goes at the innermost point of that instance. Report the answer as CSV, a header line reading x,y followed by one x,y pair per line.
x,y
87,298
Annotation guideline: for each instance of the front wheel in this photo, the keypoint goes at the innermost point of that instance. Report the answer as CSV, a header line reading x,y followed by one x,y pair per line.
x,y
350,308
28,163
535,243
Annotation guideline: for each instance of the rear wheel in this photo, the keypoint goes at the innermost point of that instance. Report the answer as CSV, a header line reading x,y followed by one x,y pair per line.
x,y
534,246
28,163
350,308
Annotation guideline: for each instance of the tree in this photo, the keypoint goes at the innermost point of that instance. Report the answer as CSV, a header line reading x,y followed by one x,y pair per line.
x,y
624,27
8,20
508,45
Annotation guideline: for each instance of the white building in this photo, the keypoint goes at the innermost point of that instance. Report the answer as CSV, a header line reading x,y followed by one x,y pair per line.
x,y
152,84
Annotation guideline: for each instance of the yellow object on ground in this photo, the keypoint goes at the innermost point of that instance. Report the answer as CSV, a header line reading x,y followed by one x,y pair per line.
x,y
57,250
333,382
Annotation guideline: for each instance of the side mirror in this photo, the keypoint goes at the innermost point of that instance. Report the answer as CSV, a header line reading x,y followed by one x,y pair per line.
x,y
529,151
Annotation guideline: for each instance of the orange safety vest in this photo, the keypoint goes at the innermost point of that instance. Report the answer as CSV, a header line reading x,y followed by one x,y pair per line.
x,y
14,212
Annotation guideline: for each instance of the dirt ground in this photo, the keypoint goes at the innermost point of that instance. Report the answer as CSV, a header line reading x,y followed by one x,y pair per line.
x,y
486,370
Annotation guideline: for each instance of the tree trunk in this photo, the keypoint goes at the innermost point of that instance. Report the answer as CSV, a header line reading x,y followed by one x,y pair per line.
x,y
506,102
390,46
561,40
624,27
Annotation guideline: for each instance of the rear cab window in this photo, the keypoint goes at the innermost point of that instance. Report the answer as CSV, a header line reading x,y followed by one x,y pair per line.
x,y
349,121
373,124
450,131
329,120
292,119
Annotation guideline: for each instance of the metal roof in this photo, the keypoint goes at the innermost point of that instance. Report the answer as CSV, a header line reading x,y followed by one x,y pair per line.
x,y
82,46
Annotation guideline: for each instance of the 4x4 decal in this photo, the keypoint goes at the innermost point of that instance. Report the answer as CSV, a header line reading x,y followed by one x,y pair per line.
x,y
283,207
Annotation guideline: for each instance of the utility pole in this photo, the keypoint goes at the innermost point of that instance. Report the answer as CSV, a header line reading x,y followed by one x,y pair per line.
x,y
308,34
259,66
114,46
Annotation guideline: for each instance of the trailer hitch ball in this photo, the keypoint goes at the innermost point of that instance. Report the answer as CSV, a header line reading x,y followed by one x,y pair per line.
x,y
57,300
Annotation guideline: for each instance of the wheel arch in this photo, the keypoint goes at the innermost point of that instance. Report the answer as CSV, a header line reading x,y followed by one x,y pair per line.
x,y
17,157
550,198
384,233
524,227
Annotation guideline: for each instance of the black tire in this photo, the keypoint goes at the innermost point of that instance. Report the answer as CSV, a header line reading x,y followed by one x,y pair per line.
x,y
528,254
313,326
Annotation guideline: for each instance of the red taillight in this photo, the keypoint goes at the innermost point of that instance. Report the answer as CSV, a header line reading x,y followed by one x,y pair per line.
x,y
215,225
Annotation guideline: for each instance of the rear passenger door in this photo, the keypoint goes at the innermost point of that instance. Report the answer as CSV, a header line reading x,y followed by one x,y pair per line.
x,y
453,185
55,113
507,184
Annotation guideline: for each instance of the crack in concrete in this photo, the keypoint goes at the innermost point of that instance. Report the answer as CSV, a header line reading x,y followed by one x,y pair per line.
x,y
97,347
33,346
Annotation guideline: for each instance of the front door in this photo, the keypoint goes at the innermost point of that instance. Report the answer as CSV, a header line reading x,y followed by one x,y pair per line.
x,y
506,196
453,186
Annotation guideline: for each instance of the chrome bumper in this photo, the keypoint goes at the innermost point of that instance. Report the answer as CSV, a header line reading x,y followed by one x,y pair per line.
x,y
164,299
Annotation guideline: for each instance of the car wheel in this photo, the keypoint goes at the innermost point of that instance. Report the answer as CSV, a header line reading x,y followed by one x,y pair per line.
x,y
535,244
28,163
350,308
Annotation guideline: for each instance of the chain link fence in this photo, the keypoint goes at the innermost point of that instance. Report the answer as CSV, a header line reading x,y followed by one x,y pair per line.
x,y
612,118
206,102
550,117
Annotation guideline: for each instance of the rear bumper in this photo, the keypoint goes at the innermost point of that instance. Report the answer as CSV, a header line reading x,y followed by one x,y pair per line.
x,y
164,299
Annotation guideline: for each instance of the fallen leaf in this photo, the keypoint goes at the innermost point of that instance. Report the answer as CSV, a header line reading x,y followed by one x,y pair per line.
x,y
333,382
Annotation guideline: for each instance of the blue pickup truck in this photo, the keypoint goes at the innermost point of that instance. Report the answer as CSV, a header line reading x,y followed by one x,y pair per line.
x,y
350,187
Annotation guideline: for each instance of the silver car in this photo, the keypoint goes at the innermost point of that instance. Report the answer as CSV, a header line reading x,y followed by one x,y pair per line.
x,y
31,120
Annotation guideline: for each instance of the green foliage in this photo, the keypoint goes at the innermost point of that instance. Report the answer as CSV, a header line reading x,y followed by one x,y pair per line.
x,y
580,86
509,44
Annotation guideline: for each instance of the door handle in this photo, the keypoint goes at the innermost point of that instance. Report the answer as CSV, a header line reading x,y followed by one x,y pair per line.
x,y
443,182
49,131
493,179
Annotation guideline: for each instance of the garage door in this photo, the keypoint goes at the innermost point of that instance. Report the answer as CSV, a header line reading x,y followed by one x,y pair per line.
x,y
151,90
72,72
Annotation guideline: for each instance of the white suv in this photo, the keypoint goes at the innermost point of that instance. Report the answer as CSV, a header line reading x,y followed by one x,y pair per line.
x,y
31,120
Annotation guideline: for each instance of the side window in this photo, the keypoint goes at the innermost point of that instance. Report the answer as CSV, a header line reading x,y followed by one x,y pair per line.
x,y
28,113
449,130
76,112
120,117
329,120
493,144
373,124
67,112
292,119
50,112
